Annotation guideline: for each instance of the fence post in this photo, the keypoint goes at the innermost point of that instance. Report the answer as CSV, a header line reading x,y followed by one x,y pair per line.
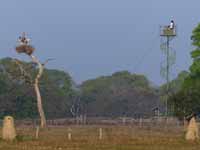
x,y
124,120
185,124
69,134
140,122
100,134
84,119
37,132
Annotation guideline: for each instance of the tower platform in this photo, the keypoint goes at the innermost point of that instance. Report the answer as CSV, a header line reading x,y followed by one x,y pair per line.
x,y
166,31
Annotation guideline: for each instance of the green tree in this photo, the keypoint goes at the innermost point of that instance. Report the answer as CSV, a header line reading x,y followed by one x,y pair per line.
x,y
187,100
195,54
17,97
120,94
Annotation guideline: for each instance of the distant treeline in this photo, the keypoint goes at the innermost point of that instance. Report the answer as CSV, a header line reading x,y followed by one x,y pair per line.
x,y
121,94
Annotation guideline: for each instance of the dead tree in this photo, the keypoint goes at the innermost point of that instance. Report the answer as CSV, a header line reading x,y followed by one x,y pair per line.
x,y
37,90
26,48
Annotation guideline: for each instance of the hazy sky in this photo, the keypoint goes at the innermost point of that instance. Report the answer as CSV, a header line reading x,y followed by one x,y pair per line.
x,y
89,38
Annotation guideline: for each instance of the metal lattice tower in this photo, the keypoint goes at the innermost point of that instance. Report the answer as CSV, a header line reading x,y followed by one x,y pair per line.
x,y
167,35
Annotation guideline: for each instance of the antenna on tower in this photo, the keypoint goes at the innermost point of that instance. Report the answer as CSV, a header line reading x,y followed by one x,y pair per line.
x,y
167,34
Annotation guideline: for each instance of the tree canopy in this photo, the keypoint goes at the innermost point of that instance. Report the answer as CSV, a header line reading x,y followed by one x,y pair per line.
x,y
17,97
187,100
121,94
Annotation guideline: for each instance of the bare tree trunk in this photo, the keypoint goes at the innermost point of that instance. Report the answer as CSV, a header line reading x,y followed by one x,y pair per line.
x,y
37,90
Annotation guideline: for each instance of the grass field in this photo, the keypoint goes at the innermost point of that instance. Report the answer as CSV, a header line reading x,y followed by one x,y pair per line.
x,y
113,138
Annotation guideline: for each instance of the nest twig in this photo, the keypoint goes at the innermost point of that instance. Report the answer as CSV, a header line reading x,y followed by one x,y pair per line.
x,y
27,49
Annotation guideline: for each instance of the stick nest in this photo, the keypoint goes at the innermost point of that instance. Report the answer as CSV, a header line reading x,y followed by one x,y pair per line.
x,y
27,49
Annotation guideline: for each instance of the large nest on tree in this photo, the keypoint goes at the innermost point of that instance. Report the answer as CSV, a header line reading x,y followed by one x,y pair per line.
x,y
27,49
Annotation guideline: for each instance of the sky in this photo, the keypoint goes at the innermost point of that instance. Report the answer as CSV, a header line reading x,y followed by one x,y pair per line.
x,y
91,38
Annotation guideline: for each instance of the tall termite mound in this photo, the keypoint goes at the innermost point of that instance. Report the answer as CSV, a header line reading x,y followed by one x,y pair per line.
x,y
192,130
8,130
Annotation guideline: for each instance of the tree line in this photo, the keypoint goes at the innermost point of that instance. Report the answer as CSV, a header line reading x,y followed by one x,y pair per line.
x,y
120,94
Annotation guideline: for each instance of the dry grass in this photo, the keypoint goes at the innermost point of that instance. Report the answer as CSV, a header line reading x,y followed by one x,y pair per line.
x,y
114,138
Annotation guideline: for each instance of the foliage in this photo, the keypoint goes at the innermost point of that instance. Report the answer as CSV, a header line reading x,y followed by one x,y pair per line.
x,y
187,100
122,94
176,84
195,54
17,97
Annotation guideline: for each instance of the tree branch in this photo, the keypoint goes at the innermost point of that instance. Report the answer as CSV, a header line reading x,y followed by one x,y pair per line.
x,y
47,61
24,73
37,90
